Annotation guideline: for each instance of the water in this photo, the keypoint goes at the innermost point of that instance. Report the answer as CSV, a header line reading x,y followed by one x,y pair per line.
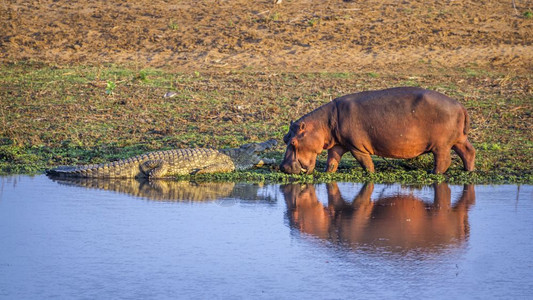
x,y
91,239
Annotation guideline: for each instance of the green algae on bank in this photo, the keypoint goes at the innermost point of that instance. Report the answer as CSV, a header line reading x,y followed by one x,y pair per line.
x,y
358,175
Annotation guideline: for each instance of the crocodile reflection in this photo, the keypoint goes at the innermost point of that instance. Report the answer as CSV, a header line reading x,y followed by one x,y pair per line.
x,y
396,223
169,190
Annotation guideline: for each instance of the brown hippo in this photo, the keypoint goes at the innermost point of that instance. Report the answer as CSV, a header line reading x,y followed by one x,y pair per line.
x,y
401,222
402,122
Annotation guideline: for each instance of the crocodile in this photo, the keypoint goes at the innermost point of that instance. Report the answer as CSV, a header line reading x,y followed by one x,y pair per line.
x,y
169,163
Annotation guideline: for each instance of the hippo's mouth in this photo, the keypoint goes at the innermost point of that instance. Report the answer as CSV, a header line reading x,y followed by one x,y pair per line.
x,y
295,167
303,169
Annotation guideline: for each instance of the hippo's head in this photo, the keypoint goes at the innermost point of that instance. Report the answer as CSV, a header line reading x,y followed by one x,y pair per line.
x,y
304,143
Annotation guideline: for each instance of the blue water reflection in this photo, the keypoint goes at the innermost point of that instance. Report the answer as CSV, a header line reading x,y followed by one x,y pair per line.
x,y
131,239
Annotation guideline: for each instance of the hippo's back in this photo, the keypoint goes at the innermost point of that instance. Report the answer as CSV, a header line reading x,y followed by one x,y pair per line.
x,y
400,122
397,100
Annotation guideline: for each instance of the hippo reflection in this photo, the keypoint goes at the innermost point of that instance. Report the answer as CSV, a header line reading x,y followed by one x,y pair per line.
x,y
398,223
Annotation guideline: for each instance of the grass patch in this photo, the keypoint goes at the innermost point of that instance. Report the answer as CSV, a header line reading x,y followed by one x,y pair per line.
x,y
60,115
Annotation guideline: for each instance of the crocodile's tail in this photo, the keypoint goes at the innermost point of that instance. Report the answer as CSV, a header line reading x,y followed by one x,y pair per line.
x,y
70,171
118,169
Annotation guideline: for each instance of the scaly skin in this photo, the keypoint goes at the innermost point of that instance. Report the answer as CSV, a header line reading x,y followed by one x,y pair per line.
x,y
161,164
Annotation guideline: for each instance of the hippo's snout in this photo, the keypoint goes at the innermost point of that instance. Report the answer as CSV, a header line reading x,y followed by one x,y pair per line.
x,y
291,167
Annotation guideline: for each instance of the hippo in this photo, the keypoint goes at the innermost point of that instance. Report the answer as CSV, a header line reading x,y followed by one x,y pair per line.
x,y
399,222
401,122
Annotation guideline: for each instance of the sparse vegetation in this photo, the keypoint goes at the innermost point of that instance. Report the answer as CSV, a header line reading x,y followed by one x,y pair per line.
x,y
276,16
173,25
110,87
313,21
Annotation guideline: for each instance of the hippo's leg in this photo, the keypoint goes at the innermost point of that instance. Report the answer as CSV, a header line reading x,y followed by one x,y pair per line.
x,y
364,160
363,197
335,200
467,153
442,198
334,158
442,160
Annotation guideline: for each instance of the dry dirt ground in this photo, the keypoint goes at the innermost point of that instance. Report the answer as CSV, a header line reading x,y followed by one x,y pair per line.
x,y
384,36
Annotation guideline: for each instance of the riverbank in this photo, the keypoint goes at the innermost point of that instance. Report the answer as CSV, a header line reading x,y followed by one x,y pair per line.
x,y
87,83
64,115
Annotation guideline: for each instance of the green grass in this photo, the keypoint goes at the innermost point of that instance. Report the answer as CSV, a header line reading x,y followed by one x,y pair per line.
x,y
399,175
52,115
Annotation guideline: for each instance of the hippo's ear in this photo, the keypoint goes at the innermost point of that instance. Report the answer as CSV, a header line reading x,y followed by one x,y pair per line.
x,y
302,126
286,138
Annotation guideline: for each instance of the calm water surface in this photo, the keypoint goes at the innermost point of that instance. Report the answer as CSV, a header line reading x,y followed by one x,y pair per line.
x,y
91,239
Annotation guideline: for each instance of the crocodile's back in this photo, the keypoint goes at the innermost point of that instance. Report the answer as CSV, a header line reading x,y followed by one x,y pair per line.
x,y
190,161
175,162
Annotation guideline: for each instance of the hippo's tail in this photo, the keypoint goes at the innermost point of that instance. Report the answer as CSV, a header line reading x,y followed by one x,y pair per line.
x,y
466,127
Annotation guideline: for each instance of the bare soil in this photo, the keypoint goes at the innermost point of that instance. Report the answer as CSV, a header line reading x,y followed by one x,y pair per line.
x,y
384,36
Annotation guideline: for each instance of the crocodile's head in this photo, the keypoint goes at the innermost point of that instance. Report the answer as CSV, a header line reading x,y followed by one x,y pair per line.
x,y
247,156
